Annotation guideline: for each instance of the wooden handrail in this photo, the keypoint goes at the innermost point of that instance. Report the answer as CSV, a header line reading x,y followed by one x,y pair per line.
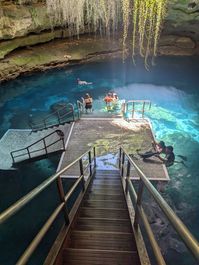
x,y
186,236
35,192
13,209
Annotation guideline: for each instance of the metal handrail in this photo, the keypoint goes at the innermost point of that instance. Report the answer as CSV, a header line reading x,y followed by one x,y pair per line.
x,y
24,200
80,107
44,121
189,240
61,138
13,209
133,102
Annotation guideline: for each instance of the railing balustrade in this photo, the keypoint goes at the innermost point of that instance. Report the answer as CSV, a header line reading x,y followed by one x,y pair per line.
x,y
16,207
134,103
23,152
125,162
57,117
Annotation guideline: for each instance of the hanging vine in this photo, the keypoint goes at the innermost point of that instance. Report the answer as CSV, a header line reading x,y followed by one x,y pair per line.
x,y
126,11
105,16
148,17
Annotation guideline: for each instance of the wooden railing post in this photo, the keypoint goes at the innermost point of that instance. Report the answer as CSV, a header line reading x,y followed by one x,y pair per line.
x,y
120,155
90,162
82,173
62,198
138,203
94,154
127,175
123,158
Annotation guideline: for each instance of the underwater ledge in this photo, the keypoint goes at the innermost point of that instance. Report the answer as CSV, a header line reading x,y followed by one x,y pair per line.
x,y
67,52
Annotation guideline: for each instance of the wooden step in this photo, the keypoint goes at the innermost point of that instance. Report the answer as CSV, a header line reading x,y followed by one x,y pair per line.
x,y
113,182
113,172
106,191
109,225
104,204
102,196
107,187
107,176
73,256
104,213
103,240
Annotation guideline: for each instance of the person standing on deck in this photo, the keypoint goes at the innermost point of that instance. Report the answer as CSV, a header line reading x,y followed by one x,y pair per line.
x,y
88,102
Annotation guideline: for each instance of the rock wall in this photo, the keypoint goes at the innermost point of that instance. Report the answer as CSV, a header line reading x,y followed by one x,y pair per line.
x,y
25,23
19,22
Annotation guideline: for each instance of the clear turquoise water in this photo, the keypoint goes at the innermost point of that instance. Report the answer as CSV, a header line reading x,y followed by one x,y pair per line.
x,y
173,87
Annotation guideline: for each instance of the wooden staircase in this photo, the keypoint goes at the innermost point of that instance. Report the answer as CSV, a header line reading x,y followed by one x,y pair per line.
x,y
102,233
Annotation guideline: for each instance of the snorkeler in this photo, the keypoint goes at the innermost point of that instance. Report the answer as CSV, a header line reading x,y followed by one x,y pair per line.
x,y
81,82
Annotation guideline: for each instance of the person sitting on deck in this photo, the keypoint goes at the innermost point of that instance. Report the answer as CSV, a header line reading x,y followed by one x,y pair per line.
x,y
160,147
88,102
169,158
81,82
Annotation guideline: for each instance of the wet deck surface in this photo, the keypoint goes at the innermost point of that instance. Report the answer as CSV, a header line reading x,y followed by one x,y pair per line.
x,y
107,135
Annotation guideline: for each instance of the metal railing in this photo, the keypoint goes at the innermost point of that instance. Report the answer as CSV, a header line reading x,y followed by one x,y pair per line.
x,y
13,209
26,153
125,163
80,107
57,117
134,103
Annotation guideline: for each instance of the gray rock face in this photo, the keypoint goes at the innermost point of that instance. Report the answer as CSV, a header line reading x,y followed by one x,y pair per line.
x,y
20,20
183,18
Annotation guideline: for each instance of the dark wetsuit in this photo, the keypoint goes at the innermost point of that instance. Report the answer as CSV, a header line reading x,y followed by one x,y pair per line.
x,y
170,158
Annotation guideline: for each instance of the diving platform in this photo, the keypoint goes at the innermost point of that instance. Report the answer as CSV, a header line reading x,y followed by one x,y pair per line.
x,y
107,134
18,146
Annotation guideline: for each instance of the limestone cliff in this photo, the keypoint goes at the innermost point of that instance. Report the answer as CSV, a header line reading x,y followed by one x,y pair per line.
x,y
27,23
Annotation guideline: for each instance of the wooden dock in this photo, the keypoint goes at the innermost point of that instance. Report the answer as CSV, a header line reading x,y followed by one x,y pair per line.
x,y
107,135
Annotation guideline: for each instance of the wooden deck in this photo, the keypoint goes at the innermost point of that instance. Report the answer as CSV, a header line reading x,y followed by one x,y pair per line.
x,y
107,134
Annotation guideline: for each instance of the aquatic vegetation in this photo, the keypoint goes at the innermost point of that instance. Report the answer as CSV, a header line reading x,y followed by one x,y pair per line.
x,y
105,16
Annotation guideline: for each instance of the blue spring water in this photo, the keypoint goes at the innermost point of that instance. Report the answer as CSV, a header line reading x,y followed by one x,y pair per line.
x,y
172,85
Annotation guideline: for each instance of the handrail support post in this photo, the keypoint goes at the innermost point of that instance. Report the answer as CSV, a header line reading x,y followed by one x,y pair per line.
x,y
90,162
94,154
123,158
82,173
138,203
127,175
62,198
